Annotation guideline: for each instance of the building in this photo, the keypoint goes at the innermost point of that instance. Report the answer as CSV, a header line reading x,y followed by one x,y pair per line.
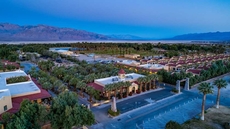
x,y
132,56
99,84
5,101
129,62
64,51
11,95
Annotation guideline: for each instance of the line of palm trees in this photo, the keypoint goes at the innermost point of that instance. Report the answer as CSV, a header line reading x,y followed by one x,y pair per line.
x,y
144,82
206,88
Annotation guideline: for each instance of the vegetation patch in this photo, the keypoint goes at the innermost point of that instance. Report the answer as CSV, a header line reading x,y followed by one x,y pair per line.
x,y
173,125
17,79
214,119
174,90
112,113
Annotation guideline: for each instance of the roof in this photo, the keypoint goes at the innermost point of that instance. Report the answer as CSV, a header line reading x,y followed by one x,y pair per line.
x,y
96,86
17,100
4,93
18,89
121,71
114,79
6,62
194,71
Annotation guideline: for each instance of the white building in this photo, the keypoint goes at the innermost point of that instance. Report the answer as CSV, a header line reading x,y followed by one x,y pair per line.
x,y
153,66
129,62
9,91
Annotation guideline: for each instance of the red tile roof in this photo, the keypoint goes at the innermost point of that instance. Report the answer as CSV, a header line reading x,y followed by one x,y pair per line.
x,y
194,71
6,62
121,71
96,86
17,101
172,64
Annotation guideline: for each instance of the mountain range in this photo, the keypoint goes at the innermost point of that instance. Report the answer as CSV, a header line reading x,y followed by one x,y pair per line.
x,y
203,36
14,32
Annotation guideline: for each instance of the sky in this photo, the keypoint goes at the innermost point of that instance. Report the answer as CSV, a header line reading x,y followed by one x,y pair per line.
x,y
144,18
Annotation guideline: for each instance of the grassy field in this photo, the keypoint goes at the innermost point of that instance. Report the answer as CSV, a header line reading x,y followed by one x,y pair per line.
x,y
214,119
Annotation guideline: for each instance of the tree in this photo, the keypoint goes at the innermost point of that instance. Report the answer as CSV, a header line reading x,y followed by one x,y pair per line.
x,y
153,77
108,88
140,80
219,83
92,93
127,85
6,116
205,88
29,116
65,112
47,86
173,125
81,85
146,81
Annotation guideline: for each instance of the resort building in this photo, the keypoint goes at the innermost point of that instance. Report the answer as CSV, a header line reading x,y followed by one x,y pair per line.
x,y
189,63
129,62
132,56
11,95
64,51
100,84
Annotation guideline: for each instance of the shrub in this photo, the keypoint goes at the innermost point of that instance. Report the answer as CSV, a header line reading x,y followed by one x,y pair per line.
x,y
175,90
173,125
226,125
112,113
17,79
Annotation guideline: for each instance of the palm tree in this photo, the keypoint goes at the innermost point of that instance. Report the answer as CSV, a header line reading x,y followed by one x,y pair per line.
x,y
91,91
220,83
74,82
127,85
205,88
153,78
108,88
121,85
47,86
115,86
82,86
147,80
140,80
62,88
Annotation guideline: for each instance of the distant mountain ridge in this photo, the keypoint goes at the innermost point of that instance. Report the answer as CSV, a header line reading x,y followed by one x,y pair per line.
x,y
125,37
13,32
203,36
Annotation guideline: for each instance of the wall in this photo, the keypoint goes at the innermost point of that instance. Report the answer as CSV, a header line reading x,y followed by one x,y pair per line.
x,y
6,100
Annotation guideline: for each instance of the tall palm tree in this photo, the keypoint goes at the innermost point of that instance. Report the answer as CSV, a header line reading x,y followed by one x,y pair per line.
x,y
73,82
127,85
153,77
47,86
146,81
220,83
116,86
108,89
91,91
121,85
140,80
82,86
205,88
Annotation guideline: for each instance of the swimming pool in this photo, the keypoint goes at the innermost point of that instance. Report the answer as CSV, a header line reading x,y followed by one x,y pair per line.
x,y
28,65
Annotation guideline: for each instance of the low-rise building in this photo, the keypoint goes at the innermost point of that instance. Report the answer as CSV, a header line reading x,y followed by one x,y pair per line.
x,y
99,84
132,56
11,95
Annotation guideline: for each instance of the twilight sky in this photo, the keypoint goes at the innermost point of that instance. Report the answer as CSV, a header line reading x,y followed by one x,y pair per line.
x,y
145,18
